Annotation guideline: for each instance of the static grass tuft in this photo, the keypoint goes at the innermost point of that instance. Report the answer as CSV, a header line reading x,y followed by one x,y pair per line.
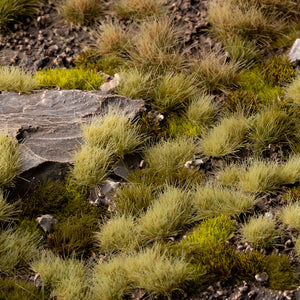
x,y
135,9
260,231
16,79
214,73
91,165
70,79
289,215
9,159
167,216
7,211
18,249
211,201
227,137
80,12
116,131
14,10
111,39
293,90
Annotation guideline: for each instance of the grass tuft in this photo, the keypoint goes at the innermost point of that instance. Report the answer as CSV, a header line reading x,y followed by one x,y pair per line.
x,y
260,231
293,90
16,79
290,215
7,211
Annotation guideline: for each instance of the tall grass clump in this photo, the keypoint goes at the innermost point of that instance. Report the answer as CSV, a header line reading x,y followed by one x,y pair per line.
x,y
211,201
289,215
290,170
227,137
16,79
293,90
14,10
116,131
7,211
167,216
250,22
66,278
156,47
174,91
111,39
81,12
69,79
202,111
135,9
276,127
167,158
158,273
118,234
18,249
260,231
9,159
214,73
91,165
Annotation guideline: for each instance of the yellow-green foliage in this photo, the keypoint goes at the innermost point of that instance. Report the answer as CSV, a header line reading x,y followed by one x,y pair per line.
x,y
227,137
242,50
156,47
7,210
118,234
18,249
66,278
14,289
260,231
167,216
115,131
82,12
9,159
158,273
297,246
16,79
290,215
91,164
111,281
180,126
290,170
250,22
135,84
134,198
173,91
167,158
202,111
70,79
214,73
293,91
15,10
276,127
135,9
110,39
211,201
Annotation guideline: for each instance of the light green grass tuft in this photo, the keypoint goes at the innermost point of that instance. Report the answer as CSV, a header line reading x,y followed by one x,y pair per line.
x,y
260,231
167,216
69,79
91,165
293,90
289,215
118,234
16,79
211,201
116,131
14,10
7,211
226,138
9,159
17,251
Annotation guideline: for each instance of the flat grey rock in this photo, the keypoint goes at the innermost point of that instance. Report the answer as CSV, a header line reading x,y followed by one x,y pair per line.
x,y
47,123
294,53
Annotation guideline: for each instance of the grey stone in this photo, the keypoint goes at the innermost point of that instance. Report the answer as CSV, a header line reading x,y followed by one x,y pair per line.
x,y
47,222
111,85
294,53
47,123
262,277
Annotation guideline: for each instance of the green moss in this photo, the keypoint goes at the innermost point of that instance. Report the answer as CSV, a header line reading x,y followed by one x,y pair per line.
x,y
181,126
70,79
74,236
14,289
281,273
92,60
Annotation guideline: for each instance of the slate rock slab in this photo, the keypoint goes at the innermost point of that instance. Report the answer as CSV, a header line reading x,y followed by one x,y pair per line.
x,y
47,123
294,53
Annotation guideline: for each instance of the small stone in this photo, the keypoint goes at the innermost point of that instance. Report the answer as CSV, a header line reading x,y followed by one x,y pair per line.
x,y
262,277
269,215
47,222
244,289
109,187
294,53
288,243
252,294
